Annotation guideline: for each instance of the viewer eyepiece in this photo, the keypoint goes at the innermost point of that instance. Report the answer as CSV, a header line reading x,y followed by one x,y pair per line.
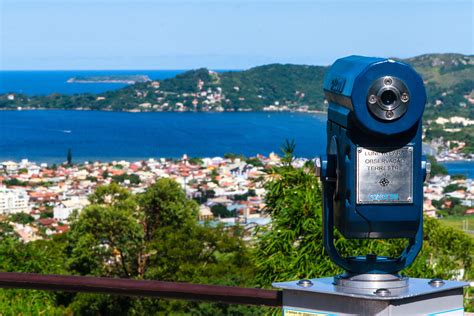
x,y
388,98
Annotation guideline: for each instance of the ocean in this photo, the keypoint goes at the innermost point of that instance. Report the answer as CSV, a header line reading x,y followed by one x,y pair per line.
x,y
48,82
460,167
46,135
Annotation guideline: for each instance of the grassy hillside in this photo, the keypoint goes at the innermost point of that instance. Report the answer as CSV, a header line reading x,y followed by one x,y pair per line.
x,y
449,80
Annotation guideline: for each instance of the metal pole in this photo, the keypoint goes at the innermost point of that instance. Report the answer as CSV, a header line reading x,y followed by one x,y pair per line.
x,y
148,288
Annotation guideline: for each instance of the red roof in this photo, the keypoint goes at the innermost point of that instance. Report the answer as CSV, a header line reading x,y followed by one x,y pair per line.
x,y
46,221
62,229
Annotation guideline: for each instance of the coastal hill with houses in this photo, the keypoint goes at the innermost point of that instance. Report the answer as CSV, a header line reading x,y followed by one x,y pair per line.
x,y
275,87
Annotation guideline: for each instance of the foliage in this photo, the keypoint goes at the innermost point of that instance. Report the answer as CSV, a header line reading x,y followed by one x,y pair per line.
x,y
15,182
45,257
69,157
164,204
35,257
6,230
453,187
21,218
458,177
47,214
106,240
464,135
291,248
195,161
154,235
233,156
437,168
132,178
29,302
254,162
221,211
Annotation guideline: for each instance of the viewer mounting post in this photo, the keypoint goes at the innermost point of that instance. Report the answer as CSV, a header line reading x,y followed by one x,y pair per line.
x,y
372,177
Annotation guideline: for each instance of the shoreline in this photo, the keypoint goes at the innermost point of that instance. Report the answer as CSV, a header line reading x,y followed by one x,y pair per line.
x,y
19,109
169,158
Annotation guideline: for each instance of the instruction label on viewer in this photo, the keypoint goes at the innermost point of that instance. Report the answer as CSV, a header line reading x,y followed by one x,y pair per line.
x,y
384,175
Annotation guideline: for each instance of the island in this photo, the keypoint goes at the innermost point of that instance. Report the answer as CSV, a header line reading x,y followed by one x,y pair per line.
x,y
127,79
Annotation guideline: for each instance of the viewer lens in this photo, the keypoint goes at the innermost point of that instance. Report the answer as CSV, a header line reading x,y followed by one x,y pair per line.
x,y
388,97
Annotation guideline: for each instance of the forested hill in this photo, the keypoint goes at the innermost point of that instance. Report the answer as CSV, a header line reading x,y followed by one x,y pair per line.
x,y
449,80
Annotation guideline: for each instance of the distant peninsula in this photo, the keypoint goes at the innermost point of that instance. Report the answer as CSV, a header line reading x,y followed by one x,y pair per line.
x,y
127,79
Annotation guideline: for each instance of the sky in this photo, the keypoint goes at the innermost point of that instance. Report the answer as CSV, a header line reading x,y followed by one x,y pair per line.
x,y
226,34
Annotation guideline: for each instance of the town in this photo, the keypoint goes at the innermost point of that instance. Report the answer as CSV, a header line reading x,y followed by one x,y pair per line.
x,y
36,200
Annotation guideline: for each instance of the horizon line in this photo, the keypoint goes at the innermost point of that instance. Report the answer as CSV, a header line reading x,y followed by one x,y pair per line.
x,y
227,69
144,69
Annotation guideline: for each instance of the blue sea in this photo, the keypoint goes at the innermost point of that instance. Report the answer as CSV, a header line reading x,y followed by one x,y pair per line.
x,y
460,167
48,82
46,135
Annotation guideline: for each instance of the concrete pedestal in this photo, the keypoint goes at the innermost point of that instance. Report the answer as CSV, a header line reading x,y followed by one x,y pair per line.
x,y
419,297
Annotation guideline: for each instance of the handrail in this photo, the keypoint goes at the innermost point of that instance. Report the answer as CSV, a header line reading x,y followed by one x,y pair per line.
x,y
148,288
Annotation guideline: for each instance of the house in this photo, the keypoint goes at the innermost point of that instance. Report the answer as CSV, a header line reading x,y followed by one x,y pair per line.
x,y
428,208
10,167
205,213
64,209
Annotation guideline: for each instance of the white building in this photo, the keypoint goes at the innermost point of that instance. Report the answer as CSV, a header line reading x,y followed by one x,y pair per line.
x,y
13,201
10,167
66,207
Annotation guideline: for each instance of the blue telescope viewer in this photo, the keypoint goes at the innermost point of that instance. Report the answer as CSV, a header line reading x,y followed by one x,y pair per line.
x,y
372,177
373,172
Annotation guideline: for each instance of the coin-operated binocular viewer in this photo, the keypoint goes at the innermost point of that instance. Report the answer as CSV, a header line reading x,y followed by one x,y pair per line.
x,y
373,172
372,177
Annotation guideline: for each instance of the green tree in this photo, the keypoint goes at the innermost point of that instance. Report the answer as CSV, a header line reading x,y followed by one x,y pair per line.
x,y
195,161
133,178
106,237
254,162
15,182
21,218
165,204
207,255
458,177
453,187
233,156
292,249
437,168
154,235
106,241
43,256
30,302
112,195
69,157
220,210
6,230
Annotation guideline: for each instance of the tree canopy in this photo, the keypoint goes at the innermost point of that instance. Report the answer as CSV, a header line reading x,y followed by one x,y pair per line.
x,y
155,235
